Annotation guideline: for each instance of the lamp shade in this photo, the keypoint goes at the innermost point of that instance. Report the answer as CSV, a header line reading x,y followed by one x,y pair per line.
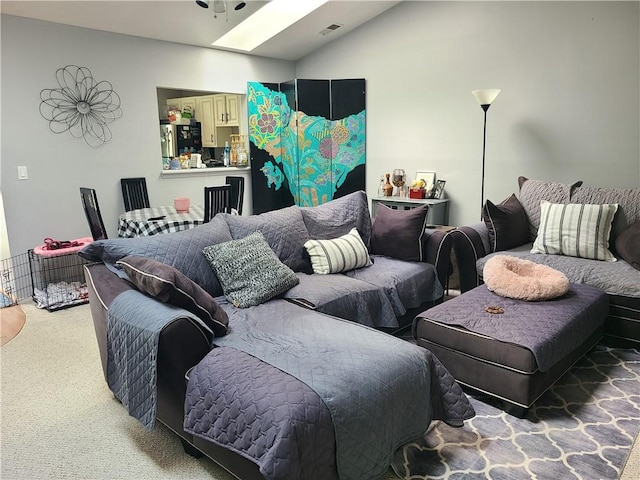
x,y
486,96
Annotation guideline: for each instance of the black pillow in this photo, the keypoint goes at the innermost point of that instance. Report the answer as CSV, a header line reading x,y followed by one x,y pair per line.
x,y
398,233
628,245
169,285
507,224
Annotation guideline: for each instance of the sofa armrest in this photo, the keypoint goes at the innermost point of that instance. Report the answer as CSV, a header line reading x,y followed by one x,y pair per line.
x,y
470,243
181,345
436,250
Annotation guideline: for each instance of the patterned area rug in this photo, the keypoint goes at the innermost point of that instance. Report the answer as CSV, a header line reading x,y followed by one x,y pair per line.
x,y
582,428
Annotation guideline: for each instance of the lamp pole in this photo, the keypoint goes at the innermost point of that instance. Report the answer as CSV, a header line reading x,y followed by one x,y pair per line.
x,y
484,144
484,98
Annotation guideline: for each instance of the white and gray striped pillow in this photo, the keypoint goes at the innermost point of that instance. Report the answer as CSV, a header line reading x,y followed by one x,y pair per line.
x,y
576,230
339,254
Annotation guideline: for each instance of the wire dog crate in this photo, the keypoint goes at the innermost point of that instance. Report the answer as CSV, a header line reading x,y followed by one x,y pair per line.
x,y
15,280
57,277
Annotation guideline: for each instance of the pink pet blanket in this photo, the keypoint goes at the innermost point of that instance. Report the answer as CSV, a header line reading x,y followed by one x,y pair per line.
x,y
522,279
43,251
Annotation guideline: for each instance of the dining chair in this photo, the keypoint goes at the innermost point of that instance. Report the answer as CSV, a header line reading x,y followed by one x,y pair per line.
x,y
134,193
237,192
92,211
217,199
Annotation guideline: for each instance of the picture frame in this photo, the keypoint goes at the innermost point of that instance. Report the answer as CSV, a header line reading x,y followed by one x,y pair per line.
x,y
429,179
439,190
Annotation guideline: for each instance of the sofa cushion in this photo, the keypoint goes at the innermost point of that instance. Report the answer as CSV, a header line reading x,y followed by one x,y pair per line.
x,y
249,271
406,284
577,230
169,285
338,217
533,191
182,250
628,200
399,233
339,254
507,224
344,297
283,229
628,245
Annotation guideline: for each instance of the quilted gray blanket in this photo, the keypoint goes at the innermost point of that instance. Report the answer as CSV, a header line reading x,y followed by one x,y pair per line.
x,y
134,323
381,391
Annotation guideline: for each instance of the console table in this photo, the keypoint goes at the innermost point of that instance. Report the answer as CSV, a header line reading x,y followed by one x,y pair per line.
x,y
438,213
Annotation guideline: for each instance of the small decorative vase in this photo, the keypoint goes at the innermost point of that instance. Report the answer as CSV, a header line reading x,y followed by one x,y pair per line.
x,y
387,188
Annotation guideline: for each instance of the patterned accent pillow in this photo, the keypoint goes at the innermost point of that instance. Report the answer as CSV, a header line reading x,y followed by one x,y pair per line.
x,y
507,224
169,285
576,230
283,229
249,271
339,254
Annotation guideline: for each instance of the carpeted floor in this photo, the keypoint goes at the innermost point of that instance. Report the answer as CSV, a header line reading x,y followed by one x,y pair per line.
x,y
58,419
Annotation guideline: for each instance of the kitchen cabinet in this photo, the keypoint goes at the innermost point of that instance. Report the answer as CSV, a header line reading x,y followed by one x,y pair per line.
x,y
205,114
227,110
182,103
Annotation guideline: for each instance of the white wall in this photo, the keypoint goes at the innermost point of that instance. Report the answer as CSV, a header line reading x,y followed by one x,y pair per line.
x,y
569,107
48,203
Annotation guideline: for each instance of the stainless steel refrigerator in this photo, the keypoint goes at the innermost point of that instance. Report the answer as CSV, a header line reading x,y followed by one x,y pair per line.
x,y
176,140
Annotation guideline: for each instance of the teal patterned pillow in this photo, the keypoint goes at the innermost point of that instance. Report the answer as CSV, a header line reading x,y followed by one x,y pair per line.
x,y
249,271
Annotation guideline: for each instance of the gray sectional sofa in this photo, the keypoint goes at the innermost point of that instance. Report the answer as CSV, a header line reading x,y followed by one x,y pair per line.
x,y
277,384
513,227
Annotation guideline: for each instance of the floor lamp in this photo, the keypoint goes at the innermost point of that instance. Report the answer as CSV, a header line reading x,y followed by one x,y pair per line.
x,y
485,98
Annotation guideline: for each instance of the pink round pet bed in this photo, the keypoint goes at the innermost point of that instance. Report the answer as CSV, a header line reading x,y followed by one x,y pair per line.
x,y
522,279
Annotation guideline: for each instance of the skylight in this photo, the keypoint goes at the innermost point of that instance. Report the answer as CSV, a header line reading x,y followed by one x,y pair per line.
x,y
267,22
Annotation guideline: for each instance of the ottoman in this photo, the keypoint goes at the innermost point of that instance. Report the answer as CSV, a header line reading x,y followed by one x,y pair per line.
x,y
517,352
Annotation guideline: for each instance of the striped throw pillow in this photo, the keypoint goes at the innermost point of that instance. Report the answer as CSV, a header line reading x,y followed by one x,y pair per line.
x,y
576,230
339,254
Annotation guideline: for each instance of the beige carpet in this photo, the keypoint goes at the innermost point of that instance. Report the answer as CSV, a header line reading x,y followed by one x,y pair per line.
x,y
58,419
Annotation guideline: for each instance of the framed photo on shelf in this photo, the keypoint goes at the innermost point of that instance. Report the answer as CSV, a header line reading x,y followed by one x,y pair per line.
x,y
429,180
439,190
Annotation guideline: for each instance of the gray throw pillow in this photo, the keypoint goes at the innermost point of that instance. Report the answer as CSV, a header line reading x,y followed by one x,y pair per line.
x,y
628,245
182,250
399,233
507,224
169,285
337,217
249,271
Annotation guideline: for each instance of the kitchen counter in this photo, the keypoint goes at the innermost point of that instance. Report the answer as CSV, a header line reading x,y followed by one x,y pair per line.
x,y
204,171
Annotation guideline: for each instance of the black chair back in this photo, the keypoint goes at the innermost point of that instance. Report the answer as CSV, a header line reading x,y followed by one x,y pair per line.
x,y
216,200
237,192
134,193
92,211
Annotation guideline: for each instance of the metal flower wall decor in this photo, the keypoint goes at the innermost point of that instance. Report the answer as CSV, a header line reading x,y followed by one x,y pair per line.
x,y
81,105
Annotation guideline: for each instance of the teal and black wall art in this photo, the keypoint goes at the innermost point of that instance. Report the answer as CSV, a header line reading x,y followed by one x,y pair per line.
x,y
307,140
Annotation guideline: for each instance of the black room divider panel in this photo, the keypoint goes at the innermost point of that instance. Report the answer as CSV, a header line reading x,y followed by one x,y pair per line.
x,y
308,141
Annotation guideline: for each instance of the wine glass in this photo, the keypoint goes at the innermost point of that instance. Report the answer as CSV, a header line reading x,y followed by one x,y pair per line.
x,y
398,179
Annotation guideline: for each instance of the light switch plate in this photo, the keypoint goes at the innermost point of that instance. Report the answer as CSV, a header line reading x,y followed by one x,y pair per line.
x,y
22,173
